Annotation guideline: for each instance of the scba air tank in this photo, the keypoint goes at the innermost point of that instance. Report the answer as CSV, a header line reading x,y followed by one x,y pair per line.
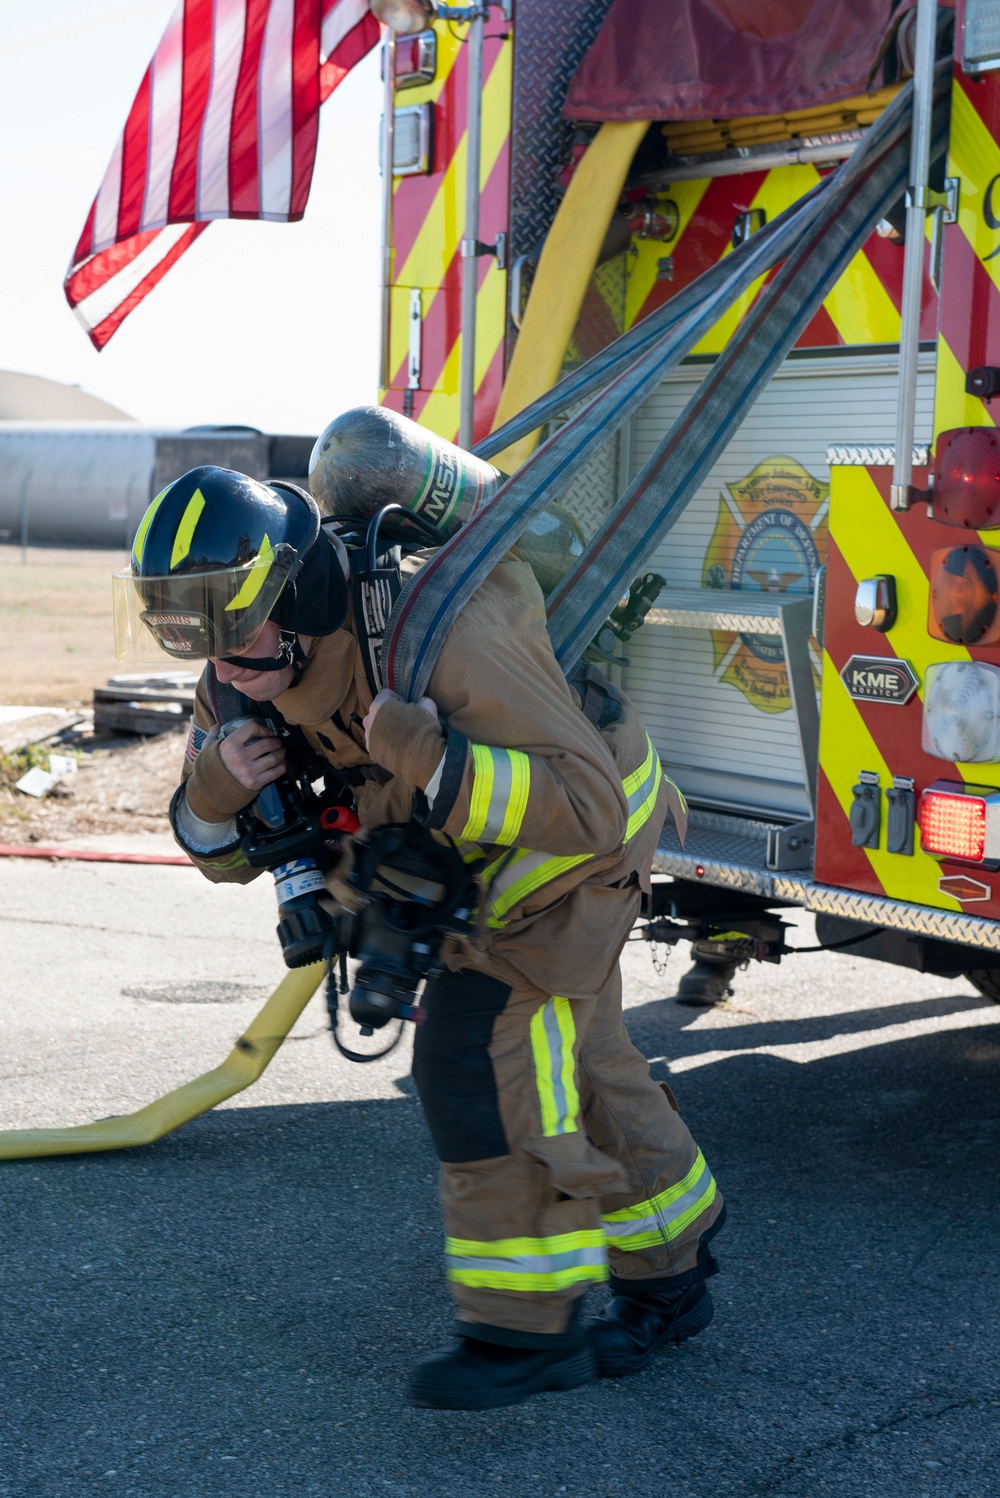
x,y
370,457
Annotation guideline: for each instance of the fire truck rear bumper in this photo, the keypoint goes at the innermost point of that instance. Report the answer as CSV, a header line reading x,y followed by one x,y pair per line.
x,y
731,852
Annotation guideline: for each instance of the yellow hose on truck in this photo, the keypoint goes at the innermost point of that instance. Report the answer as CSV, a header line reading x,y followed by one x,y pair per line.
x,y
565,267
248,1059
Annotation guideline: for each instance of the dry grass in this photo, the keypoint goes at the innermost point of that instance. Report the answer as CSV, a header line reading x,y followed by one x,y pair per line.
x,y
55,624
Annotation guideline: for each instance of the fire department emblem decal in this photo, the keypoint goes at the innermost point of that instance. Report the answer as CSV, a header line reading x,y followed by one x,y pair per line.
x,y
770,537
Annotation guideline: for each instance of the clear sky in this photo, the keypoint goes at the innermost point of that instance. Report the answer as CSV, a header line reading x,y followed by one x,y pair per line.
x,y
270,325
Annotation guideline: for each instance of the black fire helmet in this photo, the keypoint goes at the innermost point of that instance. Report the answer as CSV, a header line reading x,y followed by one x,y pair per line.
x,y
216,555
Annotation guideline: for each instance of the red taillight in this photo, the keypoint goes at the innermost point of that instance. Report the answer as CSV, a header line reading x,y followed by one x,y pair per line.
x,y
953,825
967,477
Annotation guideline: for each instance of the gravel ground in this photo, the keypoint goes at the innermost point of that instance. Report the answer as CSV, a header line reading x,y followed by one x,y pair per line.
x,y
235,1308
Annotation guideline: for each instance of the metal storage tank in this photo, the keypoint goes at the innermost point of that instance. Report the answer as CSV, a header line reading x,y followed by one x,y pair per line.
x,y
88,483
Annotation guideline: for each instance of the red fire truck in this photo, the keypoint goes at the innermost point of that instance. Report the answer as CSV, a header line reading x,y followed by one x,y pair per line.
x,y
845,549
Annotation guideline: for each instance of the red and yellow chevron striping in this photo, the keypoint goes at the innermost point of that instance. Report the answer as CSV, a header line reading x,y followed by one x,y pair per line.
x,y
880,736
428,219
863,307
970,282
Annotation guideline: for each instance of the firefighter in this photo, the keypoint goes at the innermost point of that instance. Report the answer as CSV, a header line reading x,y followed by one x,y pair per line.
x,y
561,1158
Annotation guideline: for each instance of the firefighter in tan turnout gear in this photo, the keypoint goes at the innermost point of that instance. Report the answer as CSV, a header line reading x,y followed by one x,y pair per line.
x,y
561,1159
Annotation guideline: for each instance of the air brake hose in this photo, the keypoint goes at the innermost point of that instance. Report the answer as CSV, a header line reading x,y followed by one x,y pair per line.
x,y
246,1062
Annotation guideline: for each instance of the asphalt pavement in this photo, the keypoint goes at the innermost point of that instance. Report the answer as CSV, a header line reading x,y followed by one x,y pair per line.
x,y
235,1308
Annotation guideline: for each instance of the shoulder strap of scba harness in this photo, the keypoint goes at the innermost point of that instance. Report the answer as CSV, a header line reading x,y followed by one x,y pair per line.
x,y
373,593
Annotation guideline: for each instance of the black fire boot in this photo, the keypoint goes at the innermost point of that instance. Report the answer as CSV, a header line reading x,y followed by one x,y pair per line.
x,y
645,1315
482,1372
636,1323
709,981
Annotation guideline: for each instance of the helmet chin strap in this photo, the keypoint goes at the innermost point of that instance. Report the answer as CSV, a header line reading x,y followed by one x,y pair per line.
x,y
290,653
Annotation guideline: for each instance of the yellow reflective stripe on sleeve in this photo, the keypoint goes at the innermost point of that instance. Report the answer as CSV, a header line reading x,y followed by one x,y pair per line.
x,y
232,861
641,789
512,879
529,1264
184,534
517,804
501,779
553,1034
482,792
531,871
663,1217
144,524
254,580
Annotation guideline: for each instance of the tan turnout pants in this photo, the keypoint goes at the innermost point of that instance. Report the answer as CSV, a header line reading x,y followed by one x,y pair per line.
x,y
561,1157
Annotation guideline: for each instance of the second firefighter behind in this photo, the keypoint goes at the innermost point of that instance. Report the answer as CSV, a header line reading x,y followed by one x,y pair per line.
x,y
562,1162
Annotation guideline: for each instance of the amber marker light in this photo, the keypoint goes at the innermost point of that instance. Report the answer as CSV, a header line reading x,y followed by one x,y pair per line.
x,y
964,596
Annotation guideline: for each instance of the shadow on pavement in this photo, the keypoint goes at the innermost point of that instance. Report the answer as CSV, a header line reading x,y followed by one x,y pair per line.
x,y
235,1308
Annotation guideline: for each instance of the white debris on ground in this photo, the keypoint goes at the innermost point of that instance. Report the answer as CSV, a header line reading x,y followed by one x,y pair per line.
x,y
116,786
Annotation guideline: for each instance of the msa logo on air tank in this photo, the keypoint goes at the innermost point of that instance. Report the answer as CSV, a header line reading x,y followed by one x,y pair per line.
x,y
872,678
442,491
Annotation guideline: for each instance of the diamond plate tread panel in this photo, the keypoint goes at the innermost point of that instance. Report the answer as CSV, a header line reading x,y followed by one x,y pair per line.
x,y
737,860
594,487
853,455
550,39
719,608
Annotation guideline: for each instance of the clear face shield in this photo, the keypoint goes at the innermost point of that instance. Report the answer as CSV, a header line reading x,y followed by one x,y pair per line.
x,y
191,616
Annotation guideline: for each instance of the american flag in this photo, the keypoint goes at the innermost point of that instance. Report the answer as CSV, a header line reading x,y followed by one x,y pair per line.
x,y
224,126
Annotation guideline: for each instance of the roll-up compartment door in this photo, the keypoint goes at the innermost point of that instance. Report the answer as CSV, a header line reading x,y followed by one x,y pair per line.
x,y
717,704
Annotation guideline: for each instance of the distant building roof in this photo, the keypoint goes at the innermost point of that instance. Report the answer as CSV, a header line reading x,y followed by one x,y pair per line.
x,y
25,397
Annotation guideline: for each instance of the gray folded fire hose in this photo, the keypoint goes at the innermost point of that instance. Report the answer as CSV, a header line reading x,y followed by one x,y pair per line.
x,y
817,238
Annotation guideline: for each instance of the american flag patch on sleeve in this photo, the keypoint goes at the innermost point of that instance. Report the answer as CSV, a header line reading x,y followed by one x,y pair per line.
x,y
195,743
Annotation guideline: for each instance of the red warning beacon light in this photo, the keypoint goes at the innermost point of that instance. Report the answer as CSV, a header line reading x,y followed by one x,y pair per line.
x,y
967,478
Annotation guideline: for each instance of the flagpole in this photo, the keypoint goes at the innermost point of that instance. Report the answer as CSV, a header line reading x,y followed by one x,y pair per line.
x,y
388,134
470,239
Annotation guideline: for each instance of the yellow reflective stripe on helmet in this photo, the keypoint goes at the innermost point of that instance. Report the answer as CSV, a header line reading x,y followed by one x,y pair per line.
x,y
184,534
254,579
663,1217
144,524
641,789
501,779
528,1264
553,1034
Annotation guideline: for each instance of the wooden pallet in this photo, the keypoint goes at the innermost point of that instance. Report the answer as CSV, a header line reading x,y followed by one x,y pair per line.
x,y
141,709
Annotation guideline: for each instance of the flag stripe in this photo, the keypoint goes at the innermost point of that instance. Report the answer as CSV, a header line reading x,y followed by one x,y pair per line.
x,y
243,176
305,106
356,44
109,325
135,149
167,76
212,191
196,62
274,133
106,205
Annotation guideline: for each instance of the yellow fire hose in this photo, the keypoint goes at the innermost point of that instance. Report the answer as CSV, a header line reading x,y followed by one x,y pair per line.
x,y
247,1061
565,267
